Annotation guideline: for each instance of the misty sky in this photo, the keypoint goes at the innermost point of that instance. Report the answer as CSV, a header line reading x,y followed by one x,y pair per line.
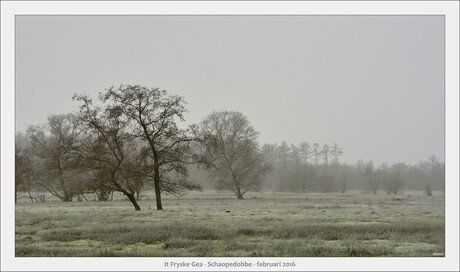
x,y
372,84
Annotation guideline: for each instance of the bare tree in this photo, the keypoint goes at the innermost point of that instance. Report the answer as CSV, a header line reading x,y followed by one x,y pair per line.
x,y
282,152
53,165
437,170
325,152
305,151
294,155
152,116
23,165
231,152
305,175
111,151
433,160
316,152
383,175
269,151
394,183
336,152
343,182
342,173
367,169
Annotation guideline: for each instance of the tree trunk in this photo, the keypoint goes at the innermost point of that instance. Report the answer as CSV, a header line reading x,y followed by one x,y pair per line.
x,y
428,189
158,195
28,191
156,181
126,193
67,197
133,201
102,196
156,169
239,195
138,192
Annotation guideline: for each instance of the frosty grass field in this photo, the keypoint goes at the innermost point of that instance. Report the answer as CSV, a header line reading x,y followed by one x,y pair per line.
x,y
216,224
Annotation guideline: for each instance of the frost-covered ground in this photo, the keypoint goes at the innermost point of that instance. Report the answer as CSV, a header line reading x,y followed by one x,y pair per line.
x,y
217,224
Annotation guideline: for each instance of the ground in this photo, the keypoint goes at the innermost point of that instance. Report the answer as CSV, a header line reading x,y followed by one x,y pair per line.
x,y
217,224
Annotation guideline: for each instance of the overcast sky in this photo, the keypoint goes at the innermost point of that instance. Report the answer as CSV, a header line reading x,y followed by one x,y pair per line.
x,y
372,84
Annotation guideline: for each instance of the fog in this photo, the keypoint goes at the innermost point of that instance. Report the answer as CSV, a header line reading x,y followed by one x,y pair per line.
x,y
373,84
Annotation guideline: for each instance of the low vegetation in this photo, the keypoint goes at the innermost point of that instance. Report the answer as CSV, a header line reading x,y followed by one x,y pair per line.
x,y
215,224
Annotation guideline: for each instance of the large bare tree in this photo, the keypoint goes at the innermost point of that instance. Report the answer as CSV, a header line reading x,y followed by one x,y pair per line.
x,y
152,115
112,152
231,152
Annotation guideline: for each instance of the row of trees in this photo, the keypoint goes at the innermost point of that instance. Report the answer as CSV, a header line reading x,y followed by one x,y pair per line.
x,y
303,153
132,138
299,168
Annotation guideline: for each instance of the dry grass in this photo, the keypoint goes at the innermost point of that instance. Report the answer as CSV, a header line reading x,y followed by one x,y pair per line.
x,y
216,224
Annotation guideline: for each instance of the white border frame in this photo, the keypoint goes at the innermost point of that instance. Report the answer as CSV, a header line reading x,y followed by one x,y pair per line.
x,y
451,11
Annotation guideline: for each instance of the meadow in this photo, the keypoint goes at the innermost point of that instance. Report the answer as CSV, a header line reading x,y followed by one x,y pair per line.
x,y
354,224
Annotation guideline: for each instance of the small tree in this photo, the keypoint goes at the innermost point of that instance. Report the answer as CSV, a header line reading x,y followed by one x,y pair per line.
x,y
305,175
283,151
424,176
437,172
343,182
305,152
342,174
394,183
269,152
294,155
325,152
316,152
367,169
336,152
231,152
54,160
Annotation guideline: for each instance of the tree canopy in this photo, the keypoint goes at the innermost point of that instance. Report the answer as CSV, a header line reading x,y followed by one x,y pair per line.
x,y
231,152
